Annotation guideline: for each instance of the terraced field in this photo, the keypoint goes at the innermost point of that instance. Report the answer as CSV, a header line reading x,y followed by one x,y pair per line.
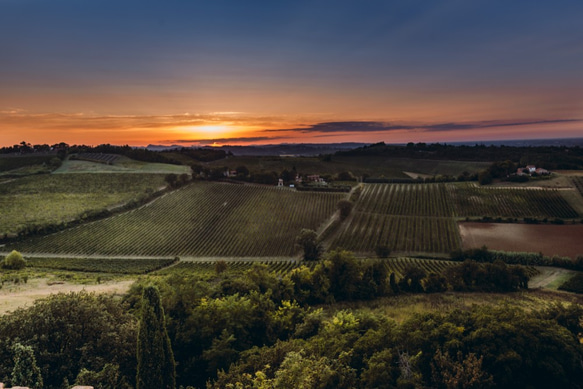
x,y
202,219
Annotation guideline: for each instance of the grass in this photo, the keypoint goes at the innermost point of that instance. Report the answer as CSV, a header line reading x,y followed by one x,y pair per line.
x,y
120,165
403,307
19,278
57,198
93,265
573,284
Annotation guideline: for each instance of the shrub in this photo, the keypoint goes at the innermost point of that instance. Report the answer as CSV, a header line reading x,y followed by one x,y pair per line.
x,y
383,251
14,261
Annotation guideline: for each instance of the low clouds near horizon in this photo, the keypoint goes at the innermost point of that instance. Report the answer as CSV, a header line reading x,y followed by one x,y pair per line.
x,y
374,126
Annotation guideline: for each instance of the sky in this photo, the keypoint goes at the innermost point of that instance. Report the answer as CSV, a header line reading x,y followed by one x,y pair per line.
x,y
264,72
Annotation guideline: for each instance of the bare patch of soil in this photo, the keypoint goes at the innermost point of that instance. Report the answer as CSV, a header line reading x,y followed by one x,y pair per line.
x,y
23,295
563,240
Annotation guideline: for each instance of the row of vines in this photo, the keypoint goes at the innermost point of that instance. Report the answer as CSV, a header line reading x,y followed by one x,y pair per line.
x,y
113,265
367,231
578,182
203,219
421,217
472,200
406,199
393,265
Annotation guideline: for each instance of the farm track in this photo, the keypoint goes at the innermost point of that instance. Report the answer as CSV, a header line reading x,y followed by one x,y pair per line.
x,y
548,276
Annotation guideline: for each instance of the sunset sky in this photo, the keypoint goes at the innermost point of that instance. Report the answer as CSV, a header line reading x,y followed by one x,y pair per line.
x,y
239,72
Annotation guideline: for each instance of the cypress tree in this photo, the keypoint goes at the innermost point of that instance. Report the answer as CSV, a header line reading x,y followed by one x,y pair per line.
x,y
156,366
25,372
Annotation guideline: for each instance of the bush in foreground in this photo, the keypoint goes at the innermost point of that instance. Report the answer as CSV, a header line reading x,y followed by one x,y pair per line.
x,y
14,261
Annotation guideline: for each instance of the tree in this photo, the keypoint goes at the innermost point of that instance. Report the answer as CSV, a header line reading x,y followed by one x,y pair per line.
x,y
107,378
344,274
411,280
183,178
14,261
485,178
77,330
345,207
221,266
242,171
287,176
156,366
383,251
308,241
25,372
463,372
171,179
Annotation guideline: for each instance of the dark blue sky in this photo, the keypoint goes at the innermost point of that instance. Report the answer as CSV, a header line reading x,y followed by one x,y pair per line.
x,y
290,63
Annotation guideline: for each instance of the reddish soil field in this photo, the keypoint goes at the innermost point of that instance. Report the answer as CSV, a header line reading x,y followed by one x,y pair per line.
x,y
564,240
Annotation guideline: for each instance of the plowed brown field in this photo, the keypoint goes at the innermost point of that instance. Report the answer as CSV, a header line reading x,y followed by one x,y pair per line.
x,y
563,240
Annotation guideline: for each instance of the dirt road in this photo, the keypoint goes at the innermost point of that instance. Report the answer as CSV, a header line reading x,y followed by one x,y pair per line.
x,y
23,295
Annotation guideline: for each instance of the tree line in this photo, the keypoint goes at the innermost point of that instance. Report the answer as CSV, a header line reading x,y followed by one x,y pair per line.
x,y
261,329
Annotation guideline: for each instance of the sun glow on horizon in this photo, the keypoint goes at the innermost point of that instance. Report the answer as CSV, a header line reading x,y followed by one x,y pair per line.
x,y
212,129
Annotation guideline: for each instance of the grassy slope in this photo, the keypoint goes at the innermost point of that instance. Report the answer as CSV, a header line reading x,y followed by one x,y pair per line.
x,y
56,198
121,165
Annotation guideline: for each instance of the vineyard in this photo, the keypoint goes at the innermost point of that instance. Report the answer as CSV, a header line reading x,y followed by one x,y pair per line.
x,y
406,200
578,182
399,233
393,265
58,198
114,265
472,200
421,217
98,157
202,219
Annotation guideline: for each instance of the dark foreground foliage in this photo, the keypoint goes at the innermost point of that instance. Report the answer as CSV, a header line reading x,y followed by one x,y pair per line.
x,y
574,284
260,329
71,332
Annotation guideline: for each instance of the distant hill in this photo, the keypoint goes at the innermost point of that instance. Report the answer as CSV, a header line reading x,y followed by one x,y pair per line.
x,y
301,149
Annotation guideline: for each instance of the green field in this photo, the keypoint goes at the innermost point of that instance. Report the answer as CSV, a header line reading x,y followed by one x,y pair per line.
x,y
100,265
366,231
120,164
473,200
393,265
202,219
406,200
59,198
